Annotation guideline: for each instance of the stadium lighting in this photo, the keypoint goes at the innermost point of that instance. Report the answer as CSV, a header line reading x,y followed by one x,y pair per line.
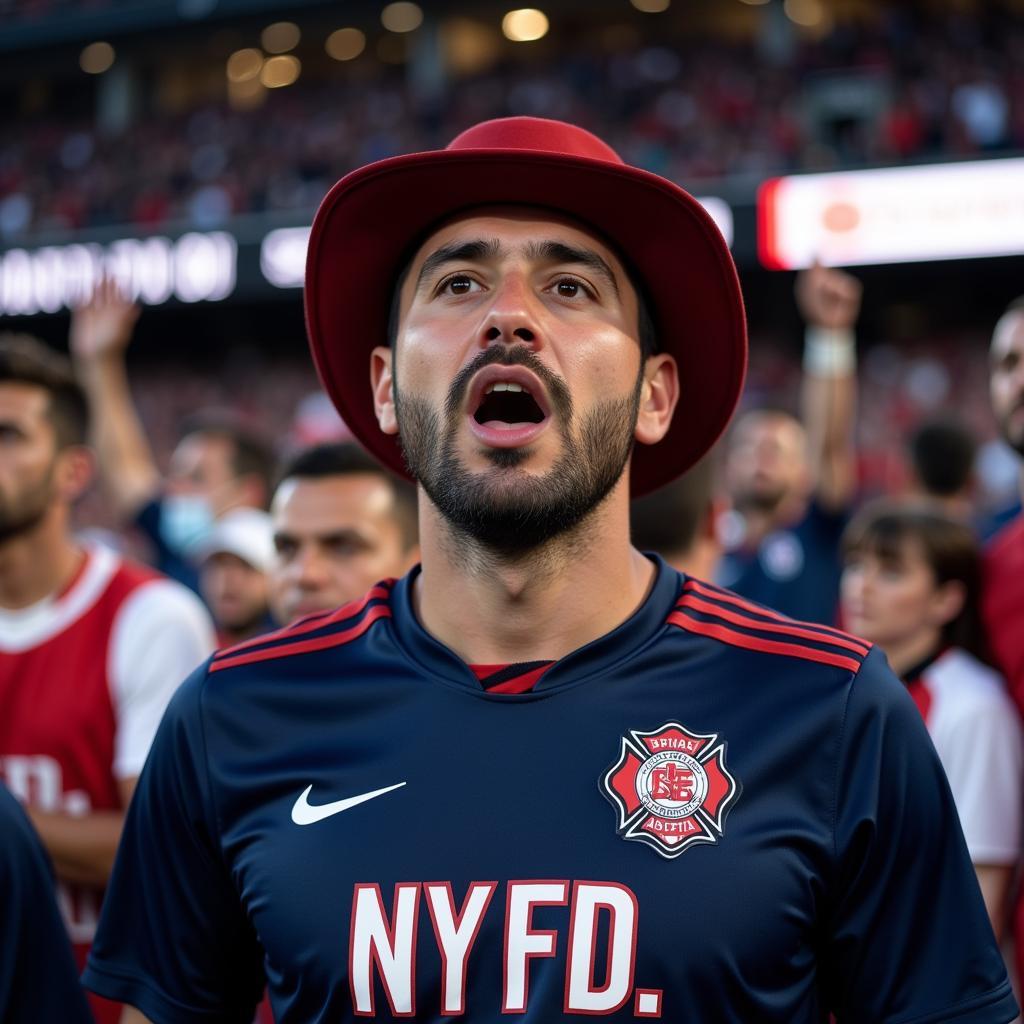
x,y
651,6
280,71
401,17
244,65
525,25
280,37
345,44
804,12
96,58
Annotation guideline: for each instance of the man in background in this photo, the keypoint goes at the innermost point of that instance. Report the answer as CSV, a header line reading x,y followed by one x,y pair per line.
x,y
792,480
233,565
91,646
679,522
942,452
341,523
217,465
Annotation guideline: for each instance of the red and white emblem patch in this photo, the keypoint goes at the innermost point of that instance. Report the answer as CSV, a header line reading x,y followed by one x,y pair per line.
x,y
671,788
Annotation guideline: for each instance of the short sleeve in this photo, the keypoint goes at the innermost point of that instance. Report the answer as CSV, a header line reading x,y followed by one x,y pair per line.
x,y
173,939
907,939
38,980
161,633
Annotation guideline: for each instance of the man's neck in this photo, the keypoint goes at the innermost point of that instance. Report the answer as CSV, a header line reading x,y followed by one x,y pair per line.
x,y
36,564
491,610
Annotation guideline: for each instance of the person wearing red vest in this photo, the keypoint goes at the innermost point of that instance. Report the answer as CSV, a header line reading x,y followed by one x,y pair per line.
x,y
91,646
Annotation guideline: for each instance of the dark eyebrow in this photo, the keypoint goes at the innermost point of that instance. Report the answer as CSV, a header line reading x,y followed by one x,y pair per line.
x,y
459,252
559,252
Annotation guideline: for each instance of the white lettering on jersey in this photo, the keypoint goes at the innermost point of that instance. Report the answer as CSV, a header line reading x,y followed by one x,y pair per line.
x,y
582,994
388,944
36,781
455,935
522,941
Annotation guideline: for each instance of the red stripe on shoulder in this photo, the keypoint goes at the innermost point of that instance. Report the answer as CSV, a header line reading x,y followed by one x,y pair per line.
x,y
319,643
753,643
794,630
309,623
719,594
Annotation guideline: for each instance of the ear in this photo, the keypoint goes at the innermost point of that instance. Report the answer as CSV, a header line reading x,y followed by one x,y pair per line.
x,y
382,382
947,602
74,471
659,394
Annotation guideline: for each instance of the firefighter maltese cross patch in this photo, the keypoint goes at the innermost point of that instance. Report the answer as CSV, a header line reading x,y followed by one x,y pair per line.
x,y
670,788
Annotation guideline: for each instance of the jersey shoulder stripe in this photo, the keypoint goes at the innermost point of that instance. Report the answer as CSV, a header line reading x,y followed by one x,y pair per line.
x,y
312,633
725,617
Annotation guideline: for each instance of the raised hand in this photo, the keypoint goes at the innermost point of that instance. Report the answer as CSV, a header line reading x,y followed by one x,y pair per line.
x,y
103,326
827,297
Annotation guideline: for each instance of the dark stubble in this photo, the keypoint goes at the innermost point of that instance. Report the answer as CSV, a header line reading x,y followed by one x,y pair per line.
x,y
24,512
509,512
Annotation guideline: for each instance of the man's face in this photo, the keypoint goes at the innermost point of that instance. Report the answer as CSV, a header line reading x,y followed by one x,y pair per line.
x,y
202,465
767,461
1006,380
234,591
28,458
517,374
335,537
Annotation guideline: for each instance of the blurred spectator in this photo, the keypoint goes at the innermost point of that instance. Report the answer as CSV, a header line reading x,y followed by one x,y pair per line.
x,y
233,565
942,452
679,522
38,980
91,646
912,584
218,464
341,524
792,482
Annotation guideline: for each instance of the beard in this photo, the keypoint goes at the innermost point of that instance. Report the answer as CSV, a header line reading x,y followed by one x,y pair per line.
x,y
514,513
24,512
760,500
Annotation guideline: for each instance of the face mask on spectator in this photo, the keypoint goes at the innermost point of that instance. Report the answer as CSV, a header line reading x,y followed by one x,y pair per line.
x,y
185,520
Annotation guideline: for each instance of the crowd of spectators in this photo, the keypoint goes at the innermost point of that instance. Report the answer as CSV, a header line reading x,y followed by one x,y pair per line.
x,y
899,88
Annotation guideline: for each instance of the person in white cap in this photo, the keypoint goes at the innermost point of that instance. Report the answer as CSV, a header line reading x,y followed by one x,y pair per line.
x,y
233,565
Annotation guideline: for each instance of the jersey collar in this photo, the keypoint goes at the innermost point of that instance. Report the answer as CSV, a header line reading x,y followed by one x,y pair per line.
x,y
598,657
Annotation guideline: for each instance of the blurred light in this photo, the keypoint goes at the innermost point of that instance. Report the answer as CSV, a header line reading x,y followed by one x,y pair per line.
x,y
755,3
651,6
804,12
525,25
401,17
345,44
469,46
391,49
283,256
244,65
280,71
280,37
96,58
246,95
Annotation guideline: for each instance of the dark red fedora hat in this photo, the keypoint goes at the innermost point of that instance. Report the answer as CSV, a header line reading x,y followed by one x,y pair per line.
x,y
368,223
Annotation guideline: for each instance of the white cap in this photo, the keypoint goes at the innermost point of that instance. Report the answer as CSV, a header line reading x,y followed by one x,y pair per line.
x,y
246,533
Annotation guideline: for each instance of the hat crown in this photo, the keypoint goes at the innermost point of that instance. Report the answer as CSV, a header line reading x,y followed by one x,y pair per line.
x,y
537,134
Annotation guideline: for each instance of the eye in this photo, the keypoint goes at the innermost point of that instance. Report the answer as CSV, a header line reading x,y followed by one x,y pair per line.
x,y
571,288
457,284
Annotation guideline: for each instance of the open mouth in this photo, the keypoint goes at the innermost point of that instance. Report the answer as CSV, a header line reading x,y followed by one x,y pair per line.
x,y
508,403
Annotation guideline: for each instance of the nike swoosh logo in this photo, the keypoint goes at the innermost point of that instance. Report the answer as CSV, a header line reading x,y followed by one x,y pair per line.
x,y
305,813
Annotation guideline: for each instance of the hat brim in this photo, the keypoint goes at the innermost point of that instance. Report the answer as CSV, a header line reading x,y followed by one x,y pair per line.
x,y
367,222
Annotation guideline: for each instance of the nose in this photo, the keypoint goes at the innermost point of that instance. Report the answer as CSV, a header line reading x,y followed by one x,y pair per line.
x,y
511,317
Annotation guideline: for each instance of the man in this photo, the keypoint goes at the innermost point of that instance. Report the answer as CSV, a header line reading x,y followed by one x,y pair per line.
x,y
941,452
792,481
341,523
541,775
91,646
38,980
217,465
679,522
233,565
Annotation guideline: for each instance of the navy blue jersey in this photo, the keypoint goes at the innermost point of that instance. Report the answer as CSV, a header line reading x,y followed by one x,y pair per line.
x,y
38,980
711,814
795,569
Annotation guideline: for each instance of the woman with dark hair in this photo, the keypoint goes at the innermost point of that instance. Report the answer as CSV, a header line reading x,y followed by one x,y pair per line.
x,y
910,584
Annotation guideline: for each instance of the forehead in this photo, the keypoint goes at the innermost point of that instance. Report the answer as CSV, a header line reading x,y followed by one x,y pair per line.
x,y
331,503
1009,335
23,400
515,227
764,426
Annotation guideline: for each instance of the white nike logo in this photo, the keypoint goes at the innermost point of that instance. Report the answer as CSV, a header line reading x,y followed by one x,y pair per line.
x,y
304,813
